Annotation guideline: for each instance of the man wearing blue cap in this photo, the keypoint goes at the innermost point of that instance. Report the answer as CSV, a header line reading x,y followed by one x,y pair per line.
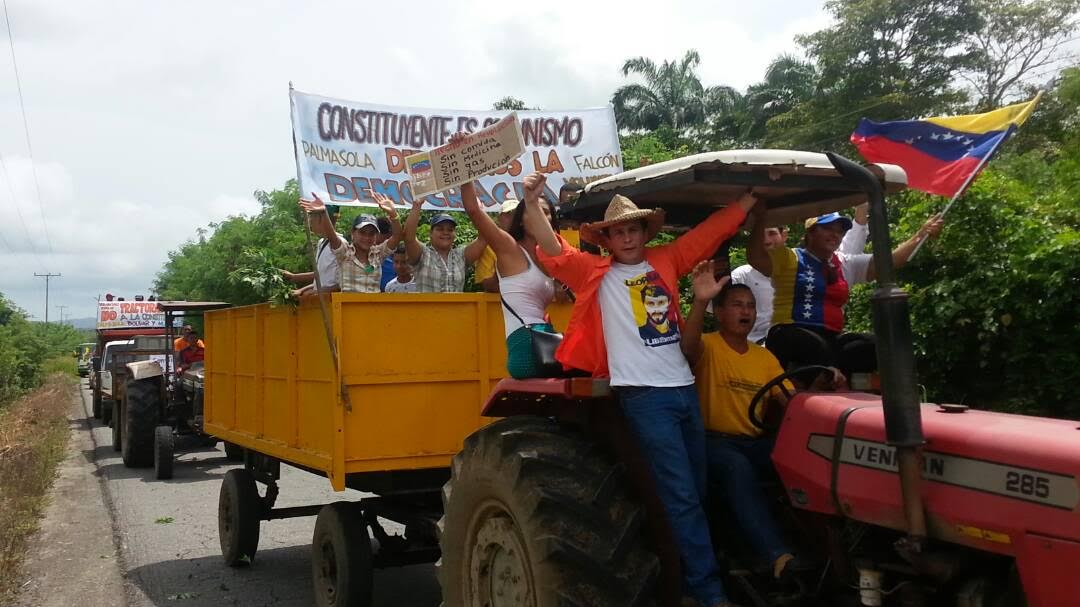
x,y
359,261
811,285
439,266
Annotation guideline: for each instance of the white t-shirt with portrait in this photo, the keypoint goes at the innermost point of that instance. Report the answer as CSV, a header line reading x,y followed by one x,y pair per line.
x,y
640,329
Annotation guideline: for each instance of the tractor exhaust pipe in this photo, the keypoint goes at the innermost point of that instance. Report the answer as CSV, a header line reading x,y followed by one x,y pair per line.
x,y
895,354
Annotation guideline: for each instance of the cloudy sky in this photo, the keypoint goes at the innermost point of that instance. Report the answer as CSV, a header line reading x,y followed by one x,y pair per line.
x,y
149,119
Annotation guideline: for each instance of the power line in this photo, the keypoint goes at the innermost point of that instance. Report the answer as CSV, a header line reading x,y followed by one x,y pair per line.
x,y
18,211
26,127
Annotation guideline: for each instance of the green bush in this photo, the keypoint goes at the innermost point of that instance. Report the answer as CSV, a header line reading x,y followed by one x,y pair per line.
x,y
24,348
994,300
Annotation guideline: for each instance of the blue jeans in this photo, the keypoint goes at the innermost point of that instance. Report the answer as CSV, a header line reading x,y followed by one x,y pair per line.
x,y
667,422
736,465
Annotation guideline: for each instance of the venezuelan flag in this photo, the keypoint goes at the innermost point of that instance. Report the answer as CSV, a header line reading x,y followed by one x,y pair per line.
x,y
940,154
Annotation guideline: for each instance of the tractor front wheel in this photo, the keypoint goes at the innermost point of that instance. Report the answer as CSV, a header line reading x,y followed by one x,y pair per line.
x,y
535,515
115,426
96,408
163,452
107,408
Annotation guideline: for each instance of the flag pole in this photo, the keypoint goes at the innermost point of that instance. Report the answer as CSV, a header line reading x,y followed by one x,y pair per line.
x,y
964,187
1018,120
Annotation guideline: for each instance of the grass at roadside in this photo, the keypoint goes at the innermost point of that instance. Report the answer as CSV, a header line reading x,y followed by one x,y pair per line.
x,y
61,364
33,438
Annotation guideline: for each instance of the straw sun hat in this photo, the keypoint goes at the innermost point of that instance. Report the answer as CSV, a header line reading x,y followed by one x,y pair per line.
x,y
620,210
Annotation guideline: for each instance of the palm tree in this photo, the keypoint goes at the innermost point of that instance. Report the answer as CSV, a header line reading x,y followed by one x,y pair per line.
x,y
742,120
671,96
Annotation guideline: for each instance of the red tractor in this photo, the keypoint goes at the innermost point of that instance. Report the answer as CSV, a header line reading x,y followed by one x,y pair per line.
x,y
892,501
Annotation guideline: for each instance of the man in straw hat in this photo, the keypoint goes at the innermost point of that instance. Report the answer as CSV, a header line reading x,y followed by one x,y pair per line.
x,y
626,326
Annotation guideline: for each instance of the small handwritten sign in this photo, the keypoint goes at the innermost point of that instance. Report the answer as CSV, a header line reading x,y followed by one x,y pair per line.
x,y
468,159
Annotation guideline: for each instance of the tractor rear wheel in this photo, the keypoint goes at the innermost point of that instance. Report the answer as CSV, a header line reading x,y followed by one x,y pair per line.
x,y
535,515
141,405
240,511
341,566
163,452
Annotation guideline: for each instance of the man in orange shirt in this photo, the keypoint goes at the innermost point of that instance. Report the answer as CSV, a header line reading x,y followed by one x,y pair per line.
x,y
187,335
637,287
188,349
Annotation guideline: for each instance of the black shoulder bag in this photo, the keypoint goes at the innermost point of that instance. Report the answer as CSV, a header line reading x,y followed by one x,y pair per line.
x,y
543,346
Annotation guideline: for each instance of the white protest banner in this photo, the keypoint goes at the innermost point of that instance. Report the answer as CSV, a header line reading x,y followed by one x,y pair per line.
x,y
130,315
453,164
347,149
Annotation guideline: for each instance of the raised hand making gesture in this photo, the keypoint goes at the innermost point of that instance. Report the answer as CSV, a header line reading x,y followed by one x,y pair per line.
x,y
706,285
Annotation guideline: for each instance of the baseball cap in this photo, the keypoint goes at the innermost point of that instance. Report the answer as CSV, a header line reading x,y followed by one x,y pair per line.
x,y
436,220
508,206
362,221
827,219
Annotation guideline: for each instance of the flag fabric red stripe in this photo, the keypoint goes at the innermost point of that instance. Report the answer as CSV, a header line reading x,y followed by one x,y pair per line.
x,y
925,172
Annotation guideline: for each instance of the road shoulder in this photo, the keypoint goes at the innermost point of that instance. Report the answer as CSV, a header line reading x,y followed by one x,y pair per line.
x,y
73,559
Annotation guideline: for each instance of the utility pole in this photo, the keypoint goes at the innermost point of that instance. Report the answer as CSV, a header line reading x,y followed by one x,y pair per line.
x,y
62,308
46,276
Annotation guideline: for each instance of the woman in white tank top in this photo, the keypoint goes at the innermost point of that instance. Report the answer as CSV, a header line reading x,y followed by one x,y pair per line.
x,y
526,289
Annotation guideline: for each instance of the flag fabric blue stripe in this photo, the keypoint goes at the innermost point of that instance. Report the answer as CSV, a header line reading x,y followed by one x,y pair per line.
x,y
932,139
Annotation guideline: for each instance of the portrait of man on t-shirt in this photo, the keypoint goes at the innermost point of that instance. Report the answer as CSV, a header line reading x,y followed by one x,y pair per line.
x,y
655,325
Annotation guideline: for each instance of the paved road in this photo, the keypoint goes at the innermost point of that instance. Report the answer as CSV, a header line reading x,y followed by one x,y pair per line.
x,y
178,563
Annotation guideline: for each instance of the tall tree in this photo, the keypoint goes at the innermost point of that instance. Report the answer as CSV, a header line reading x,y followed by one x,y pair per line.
x,y
671,95
883,59
1016,39
741,122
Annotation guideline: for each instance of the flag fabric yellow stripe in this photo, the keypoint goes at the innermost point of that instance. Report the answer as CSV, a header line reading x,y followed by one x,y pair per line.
x,y
997,120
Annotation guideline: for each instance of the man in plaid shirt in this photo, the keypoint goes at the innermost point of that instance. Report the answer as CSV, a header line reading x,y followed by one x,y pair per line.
x,y
359,262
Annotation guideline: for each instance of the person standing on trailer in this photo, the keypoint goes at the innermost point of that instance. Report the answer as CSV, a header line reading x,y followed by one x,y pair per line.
x,y
360,262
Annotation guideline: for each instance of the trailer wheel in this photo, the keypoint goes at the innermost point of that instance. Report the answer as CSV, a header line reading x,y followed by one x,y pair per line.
x,y
535,515
240,511
115,425
233,453
97,403
163,452
341,562
140,418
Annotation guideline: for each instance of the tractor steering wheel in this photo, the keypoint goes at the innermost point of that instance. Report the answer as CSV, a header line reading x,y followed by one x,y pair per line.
x,y
777,381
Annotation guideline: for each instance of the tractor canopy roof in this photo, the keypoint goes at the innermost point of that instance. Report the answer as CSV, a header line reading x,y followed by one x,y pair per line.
x,y
191,306
793,185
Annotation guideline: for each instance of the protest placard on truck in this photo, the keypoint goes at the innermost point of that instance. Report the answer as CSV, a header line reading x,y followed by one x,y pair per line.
x,y
485,151
129,315
346,150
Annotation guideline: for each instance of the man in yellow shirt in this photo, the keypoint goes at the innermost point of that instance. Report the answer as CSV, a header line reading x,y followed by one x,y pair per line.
x,y
728,371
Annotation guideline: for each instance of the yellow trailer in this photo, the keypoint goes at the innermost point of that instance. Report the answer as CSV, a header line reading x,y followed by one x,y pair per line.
x,y
416,368
413,373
